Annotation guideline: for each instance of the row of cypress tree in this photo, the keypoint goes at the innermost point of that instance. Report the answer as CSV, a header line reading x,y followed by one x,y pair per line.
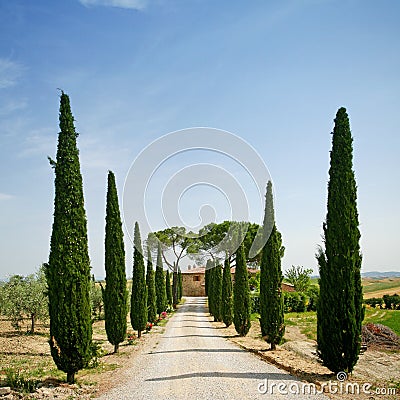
x,y
233,304
149,294
150,289
339,310
68,270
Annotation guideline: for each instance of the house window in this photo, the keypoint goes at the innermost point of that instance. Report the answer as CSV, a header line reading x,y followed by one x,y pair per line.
x,y
196,278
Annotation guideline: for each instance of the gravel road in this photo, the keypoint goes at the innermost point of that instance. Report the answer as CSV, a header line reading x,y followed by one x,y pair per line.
x,y
192,360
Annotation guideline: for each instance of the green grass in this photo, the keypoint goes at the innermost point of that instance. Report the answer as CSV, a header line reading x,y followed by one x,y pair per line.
x,y
307,323
24,376
390,318
162,322
254,317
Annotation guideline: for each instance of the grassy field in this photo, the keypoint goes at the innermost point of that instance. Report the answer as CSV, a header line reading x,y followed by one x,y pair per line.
x,y
373,287
380,287
390,318
25,359
307,321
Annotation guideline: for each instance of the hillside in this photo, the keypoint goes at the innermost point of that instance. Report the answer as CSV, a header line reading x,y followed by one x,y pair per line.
x,y
374,287
379,274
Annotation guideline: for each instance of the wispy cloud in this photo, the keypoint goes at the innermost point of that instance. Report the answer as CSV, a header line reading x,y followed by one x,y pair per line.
x,y
10,72
11,106
4,196
39,142
95,154
131,4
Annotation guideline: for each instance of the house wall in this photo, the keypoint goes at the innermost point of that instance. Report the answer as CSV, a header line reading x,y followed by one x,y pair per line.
x,y
193,285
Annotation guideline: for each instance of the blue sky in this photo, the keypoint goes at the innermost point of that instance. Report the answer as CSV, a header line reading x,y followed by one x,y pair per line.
x,y
272,72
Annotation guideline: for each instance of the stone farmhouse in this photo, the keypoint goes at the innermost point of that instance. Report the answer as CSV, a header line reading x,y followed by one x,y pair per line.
x,y
193,282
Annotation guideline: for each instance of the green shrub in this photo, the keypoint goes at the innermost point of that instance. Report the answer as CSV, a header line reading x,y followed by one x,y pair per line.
x,y
97,352
313,296
374,301
391,302
295,302
19,382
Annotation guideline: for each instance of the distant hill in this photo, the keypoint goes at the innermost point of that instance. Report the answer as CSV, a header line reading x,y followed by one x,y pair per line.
x,y
380,275
374,274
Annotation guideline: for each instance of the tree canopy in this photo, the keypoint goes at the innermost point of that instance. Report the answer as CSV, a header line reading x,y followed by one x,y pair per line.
x,y
299,277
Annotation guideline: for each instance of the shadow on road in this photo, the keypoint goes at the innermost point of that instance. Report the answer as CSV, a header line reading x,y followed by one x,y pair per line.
x,y
233,375
204,336
198,351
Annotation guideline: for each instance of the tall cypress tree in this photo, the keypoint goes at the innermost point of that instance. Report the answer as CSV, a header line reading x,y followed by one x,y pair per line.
x,y
139,289
339,310
206,279
175,289
180,285
168,288
217,292
227,300
161,293
210,289
151,290
115,292
271,297
68,269
241,295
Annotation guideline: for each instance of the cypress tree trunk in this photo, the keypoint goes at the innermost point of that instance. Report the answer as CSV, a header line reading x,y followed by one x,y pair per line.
x,y
339,310
68,269
241,295
168,288
227,300
115,293
71,377
151,290
271,297
161,293
139,289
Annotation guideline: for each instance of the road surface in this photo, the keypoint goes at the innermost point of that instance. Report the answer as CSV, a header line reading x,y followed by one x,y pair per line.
x,y
192,360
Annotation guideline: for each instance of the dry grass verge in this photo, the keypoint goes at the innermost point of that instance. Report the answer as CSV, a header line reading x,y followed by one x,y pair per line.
x,y
25,362
379,367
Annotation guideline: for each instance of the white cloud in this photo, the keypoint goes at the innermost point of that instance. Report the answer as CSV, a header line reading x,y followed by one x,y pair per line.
x,y
39,142
10,72
131,4
4,196
10,106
